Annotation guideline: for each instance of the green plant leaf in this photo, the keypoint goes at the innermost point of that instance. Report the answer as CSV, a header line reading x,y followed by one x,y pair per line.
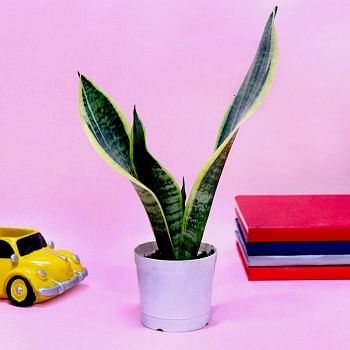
x,y
249,96
254,87
158,180
108,131
183,193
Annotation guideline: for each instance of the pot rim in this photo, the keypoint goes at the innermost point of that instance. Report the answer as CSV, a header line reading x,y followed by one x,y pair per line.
x,y
151,246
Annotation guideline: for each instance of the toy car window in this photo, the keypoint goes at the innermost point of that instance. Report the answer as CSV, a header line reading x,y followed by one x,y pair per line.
x,y
5,250
29,244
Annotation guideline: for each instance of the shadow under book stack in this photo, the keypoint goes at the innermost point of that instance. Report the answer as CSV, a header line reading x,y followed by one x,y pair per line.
x,y
298,237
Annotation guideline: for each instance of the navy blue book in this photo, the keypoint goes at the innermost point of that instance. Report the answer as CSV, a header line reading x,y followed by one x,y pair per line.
x,y
294,248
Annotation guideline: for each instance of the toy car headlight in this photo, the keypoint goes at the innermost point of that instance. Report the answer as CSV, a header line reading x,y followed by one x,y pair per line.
x,y
42,274
76,258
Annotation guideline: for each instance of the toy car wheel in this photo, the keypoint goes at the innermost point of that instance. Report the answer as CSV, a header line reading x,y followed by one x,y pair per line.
x,y
20,292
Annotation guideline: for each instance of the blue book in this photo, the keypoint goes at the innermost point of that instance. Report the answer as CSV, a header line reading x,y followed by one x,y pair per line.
x,y
293,248
291,260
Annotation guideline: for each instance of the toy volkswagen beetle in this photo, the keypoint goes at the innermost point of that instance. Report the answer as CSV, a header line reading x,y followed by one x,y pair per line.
x,y
31,271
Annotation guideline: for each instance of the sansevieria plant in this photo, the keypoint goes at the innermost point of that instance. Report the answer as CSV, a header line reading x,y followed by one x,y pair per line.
x,y
178,225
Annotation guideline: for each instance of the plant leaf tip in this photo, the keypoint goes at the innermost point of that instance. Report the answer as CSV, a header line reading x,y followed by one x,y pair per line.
x,y
137,122
275,11
136,116
79,75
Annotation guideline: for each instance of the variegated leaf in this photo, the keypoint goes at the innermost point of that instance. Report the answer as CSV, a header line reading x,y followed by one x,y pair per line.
x,y
249,94
108,131
158,180
254,88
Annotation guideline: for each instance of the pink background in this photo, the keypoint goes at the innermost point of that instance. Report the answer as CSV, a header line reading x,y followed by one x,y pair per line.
x,y
180,62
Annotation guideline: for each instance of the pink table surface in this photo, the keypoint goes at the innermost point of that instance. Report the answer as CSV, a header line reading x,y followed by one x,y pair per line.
x,y
103,313
180,62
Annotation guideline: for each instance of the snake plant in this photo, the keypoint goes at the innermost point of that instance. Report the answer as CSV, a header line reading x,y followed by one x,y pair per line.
x,y
178,225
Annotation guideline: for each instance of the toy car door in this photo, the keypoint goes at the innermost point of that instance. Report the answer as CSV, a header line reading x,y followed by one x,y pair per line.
x,y
5,262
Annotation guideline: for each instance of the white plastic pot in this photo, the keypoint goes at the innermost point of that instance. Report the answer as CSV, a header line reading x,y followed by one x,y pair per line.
x,y
175,295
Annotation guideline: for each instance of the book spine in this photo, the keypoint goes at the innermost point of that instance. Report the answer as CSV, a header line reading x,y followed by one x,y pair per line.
x,y
294,272
292,248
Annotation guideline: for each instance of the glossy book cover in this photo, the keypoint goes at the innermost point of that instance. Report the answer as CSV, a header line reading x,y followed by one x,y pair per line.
x,y
283,218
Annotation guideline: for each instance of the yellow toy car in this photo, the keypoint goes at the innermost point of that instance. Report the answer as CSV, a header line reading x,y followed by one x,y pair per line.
x,y
31,271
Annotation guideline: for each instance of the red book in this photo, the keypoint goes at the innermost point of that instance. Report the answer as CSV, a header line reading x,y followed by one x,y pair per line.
x,y
291,218
334,272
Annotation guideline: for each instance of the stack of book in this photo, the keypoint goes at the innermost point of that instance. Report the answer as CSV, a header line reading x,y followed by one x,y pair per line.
x,y
294,237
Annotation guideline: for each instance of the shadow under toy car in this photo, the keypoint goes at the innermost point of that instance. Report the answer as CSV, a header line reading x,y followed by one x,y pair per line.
x,y
31,271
